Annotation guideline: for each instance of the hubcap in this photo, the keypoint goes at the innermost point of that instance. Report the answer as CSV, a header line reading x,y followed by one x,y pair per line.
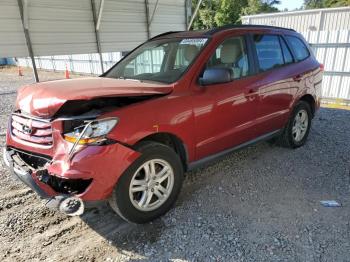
x,y
300,125
151,185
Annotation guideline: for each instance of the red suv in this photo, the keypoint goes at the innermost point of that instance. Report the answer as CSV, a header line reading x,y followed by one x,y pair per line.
x,y
175,102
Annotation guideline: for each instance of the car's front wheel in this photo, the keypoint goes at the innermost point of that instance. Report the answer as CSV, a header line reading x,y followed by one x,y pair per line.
x,y
150,186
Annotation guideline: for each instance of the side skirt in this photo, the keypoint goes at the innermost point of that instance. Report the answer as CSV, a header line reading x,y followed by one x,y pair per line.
x,y
209,159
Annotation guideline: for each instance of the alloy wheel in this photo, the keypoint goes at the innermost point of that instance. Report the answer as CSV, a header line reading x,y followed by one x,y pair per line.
x,y
300,125
151,185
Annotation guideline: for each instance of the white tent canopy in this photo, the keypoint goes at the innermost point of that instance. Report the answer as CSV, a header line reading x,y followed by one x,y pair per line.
x,y
51,27
68,27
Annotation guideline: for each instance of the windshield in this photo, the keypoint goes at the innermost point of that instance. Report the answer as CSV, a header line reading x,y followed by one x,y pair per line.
x,y
163,60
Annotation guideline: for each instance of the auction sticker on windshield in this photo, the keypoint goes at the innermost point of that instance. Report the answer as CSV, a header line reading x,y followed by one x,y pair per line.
x,y
193,41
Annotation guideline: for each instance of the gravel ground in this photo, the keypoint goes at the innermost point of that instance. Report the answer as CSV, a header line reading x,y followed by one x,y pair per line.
x,y
258,204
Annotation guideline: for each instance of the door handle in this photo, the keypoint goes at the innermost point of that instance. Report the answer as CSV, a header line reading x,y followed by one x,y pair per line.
x,y
251,93
298,77
252,90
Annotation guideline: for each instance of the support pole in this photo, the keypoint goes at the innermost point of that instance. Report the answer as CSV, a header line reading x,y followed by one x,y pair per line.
x,y
194,14
97,22
153,13
186,13
23,10
102,4
147,20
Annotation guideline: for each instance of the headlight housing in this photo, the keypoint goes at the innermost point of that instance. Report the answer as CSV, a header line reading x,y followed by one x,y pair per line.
x,y
91,132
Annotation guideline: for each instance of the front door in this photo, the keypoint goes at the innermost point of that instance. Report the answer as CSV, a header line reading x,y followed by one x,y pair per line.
x,y
225,113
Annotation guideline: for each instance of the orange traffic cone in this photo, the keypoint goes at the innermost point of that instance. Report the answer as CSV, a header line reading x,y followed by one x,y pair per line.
x,y
20,72
66,74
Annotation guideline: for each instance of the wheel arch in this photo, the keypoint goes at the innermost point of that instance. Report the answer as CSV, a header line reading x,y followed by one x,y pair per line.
x,y
172,141
311,101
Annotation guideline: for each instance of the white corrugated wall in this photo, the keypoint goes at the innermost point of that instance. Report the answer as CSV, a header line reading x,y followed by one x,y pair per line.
x,y
12,40
77,63
328,19
328,32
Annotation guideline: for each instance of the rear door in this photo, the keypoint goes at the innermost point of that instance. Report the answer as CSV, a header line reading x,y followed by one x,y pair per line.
x,y
306,67
276,83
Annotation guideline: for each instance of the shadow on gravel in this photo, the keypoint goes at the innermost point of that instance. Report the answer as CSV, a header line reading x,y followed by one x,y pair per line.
x,y
120,233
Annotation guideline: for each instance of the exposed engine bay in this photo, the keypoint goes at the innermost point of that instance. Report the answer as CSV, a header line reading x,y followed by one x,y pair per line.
x,y
86,108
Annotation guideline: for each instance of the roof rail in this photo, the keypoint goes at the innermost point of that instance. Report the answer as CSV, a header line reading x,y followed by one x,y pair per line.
x,y
163,34
225,27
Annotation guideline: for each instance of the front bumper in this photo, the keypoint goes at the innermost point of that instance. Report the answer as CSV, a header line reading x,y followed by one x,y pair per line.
x,y
97,167
102,165
23,175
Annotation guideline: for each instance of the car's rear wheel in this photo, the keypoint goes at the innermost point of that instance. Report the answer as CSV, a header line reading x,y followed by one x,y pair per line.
x,y
150,186
298,127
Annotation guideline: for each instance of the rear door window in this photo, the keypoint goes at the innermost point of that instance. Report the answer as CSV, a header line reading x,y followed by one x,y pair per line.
x,y
299,48
269,51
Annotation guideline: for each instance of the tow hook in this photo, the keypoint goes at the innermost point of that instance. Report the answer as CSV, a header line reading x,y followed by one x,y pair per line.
x,y
69,205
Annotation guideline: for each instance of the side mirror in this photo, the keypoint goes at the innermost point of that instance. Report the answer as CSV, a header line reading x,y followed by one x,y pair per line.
x,y
215,76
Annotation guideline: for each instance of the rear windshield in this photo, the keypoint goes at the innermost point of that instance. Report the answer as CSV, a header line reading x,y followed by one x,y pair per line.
x,y
163,60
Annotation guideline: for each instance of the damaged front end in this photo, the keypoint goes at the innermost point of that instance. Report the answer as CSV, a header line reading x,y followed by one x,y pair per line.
x,y
68,160
68,174
58,142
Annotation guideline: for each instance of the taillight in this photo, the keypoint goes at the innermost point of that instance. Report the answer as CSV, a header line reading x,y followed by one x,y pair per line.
x,y
322,67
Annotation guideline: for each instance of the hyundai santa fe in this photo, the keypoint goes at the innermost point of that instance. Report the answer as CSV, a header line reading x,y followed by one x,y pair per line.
x,y
177,101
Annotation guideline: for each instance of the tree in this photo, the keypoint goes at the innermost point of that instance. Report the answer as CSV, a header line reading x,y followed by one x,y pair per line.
x,y
311,4
258,6
206,14
213,13
229,12
253,7
337,3
269,6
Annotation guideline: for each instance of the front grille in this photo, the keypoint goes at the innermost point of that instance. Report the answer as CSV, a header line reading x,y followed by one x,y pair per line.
x,y
26,160
32,130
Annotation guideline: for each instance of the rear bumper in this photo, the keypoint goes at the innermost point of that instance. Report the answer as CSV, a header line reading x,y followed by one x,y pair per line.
x,y
101,165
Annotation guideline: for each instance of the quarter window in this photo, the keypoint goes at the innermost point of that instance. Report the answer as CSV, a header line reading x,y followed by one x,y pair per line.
x,y
299,48
286,52
231,54
269,51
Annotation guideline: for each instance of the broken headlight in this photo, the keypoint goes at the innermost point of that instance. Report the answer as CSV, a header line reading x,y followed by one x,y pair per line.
x,y
91,132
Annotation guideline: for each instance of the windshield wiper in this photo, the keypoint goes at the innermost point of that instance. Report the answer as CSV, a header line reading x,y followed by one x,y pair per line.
x,y
132,79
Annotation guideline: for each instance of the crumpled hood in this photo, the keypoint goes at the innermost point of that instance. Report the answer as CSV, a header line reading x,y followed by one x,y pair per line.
x,y
45,99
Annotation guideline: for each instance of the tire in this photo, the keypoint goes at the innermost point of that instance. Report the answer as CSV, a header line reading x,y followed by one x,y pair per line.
x,y
289,137
132,206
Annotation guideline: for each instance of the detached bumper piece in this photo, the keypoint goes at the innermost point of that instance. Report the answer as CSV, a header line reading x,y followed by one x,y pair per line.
x,y
70,205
